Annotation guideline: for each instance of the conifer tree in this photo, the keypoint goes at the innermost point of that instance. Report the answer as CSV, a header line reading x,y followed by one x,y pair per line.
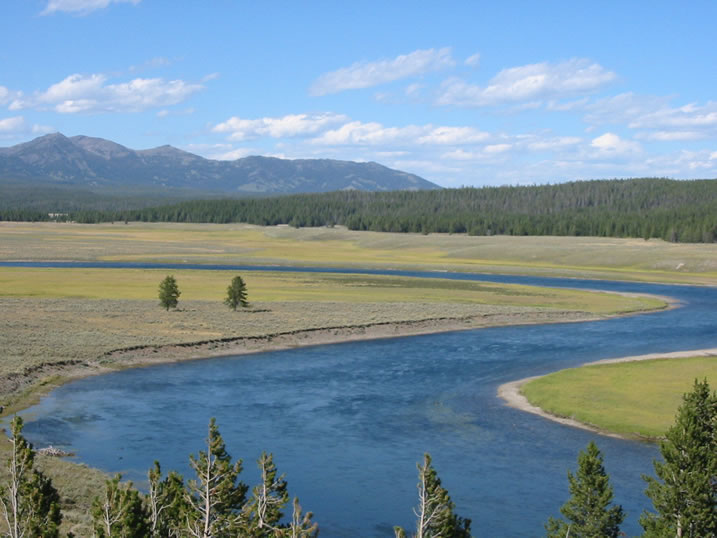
x,y
301,525
166,503
169,292
216,498
588,513
236,294
685,493
262,512
435,514
120,512
30,504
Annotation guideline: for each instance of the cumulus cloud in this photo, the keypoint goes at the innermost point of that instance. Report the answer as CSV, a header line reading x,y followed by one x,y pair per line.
x,y
15,123
287,126
91,93
527,83
374,133
368,74
610,143
81,7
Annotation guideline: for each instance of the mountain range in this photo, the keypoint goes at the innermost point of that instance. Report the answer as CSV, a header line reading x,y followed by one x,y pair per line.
x,y
99,165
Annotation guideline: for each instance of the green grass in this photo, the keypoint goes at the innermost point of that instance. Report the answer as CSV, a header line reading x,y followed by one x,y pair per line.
x,y
197,285
635,399
626,259
50,315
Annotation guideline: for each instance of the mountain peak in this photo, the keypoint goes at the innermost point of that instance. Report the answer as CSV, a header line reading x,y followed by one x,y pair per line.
x,y
97,163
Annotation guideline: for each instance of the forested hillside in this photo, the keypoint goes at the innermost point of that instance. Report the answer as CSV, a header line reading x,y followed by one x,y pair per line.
x,y
684,211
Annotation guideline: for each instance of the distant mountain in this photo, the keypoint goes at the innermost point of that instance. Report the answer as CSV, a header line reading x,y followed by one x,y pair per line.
x,y
100,165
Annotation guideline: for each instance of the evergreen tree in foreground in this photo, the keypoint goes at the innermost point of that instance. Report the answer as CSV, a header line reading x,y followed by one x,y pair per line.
x,y
30,504
216,498
262,512
166,503
436,518
236,294
685,493
588,513
120,512
169,292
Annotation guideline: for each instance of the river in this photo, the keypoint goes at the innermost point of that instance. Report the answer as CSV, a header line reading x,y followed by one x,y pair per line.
x,y
348,422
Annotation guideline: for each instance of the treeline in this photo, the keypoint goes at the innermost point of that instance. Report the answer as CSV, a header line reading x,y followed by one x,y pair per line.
x,y
216,504
684,211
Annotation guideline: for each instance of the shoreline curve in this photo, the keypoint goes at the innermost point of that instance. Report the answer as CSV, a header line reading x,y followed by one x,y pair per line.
x,y
510,392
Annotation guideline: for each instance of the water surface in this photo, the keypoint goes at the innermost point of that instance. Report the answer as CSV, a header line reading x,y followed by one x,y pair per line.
x,y
348,422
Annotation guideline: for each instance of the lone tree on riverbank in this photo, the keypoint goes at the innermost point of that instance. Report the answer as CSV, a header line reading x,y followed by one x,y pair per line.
x,y
685,492
169,292
587,512
236,294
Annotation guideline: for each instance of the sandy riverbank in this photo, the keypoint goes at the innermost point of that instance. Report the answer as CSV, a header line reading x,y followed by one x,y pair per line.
x,y
510,392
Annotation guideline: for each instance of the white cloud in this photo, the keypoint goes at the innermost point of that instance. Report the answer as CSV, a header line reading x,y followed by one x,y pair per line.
x,y
610,143
373,133
453,136
286,126
91,93
654,115
713,156
462,155
497,148
232,155
528,82
15,123
473,61
554,143
622,108
4,95
689,116
670,136
81,7
413,90
185,112
368,74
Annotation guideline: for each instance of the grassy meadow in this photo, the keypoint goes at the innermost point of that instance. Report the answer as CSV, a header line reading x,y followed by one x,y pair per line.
x,y
634,399
81,314
50,318
584,257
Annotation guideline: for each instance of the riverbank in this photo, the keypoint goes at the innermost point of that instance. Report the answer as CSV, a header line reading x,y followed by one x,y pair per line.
x,y
24,388
512,395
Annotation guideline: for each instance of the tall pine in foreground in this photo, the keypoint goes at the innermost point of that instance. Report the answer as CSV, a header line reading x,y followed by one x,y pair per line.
x,y
30,504
216,498
263,511
684,493
588,513
435,510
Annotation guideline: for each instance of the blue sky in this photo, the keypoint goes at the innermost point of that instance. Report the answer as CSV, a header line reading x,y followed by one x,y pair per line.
x,y
461,93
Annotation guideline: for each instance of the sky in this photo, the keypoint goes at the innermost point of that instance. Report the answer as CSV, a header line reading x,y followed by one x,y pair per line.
x,y
461,93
